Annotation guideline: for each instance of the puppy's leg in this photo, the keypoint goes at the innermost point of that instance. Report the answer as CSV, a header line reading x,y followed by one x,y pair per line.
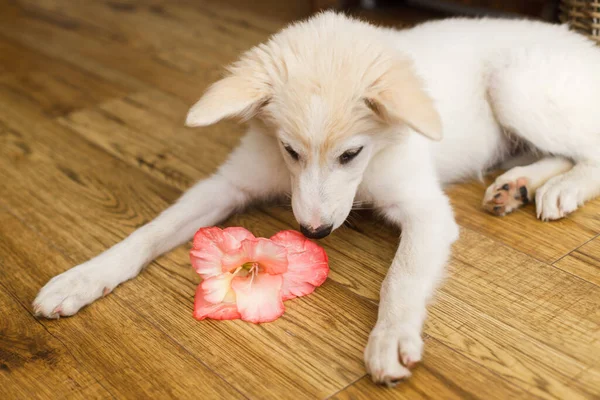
x,y
549,98
254,170
564,193
428,230
518,186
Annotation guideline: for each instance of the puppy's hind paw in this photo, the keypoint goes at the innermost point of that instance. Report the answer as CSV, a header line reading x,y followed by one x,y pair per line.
x,y
557,199
504,196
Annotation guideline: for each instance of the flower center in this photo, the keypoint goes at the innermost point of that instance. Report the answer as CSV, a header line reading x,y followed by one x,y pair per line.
x,y
249,266
247,269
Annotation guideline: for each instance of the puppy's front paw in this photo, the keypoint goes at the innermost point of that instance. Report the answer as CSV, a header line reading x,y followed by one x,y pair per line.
x,y
66,293
390,352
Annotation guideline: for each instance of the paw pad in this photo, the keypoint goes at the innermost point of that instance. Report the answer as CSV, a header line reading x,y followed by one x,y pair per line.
x,y
503,198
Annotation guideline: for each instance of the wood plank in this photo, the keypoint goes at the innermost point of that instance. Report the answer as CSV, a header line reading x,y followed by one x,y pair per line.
x,y
149,31
33,363
524,361
444,374
83,38
148,141
15,59
95,53
61,91
144,110
583,262
588,378
546,241
131,358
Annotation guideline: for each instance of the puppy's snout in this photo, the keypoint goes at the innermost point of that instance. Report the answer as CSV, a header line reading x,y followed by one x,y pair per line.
x,y
318,233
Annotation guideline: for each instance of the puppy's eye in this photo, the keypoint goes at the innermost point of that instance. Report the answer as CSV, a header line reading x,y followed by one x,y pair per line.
x,y
349,155
292,152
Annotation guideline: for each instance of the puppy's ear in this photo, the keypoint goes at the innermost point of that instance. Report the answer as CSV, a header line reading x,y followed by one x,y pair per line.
x,y
397,96
241,94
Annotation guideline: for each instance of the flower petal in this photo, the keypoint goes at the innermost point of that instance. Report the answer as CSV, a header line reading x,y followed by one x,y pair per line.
x,y
207,260
205,309
211,243
236,258
292,240
271,257
239,234
308,264
206,253
211,234
259,298
214,289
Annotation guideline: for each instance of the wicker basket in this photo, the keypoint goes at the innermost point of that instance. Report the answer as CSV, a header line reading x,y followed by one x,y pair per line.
x,y
583,16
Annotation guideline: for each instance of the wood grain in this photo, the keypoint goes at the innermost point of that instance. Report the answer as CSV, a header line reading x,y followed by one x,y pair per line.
x,y
92,146
129,358
584,262
28,352
446,374
547,242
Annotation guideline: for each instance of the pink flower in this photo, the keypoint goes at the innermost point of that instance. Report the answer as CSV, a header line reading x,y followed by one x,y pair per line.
x,y
249,278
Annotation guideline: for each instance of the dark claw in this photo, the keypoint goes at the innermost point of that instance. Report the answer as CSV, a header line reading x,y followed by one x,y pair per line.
x,y
505,187
523,191
498,209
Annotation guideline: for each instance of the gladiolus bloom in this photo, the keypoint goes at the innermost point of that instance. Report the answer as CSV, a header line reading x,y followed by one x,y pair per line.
x,y
248,277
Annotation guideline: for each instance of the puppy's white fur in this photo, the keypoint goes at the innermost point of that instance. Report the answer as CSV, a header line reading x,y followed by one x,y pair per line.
x,y
435,104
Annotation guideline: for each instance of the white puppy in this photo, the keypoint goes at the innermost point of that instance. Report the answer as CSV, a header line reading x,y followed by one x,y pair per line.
x,y
342,112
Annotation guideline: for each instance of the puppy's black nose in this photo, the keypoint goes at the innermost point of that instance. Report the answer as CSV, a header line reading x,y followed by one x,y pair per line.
x,y
319,233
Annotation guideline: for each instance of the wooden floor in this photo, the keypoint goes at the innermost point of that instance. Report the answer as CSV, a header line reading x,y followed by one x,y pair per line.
x,y
93,96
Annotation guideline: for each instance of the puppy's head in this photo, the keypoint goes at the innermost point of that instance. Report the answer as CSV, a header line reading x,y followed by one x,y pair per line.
x,y
332,96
